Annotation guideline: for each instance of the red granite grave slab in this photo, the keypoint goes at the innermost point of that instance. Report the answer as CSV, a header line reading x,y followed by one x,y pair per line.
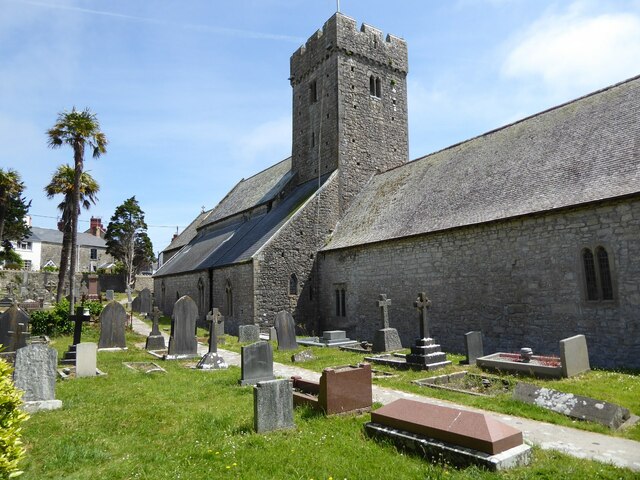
x,y
459,427
344,389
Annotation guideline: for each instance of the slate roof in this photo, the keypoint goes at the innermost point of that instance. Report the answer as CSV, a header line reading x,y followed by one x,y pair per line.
x,y
238,241
579,152
51,235
188,233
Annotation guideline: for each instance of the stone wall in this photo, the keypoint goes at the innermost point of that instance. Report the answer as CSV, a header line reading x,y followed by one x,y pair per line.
x,y
142,282
293,251
52,251
39,280
520,281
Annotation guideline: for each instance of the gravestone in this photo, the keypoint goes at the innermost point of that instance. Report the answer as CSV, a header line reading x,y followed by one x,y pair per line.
x,y
574,406
81,316
110,295
143,303
426,354
183,328
386,339
14,326
93,288
273,406
286,331
574,356
35,373
211,360
256,363
155,340
473,346
86,359
273,334
248,333
113,319
303,356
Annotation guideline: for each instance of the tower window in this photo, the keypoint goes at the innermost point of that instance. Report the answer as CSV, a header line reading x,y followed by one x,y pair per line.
x,y
597,274
375,87
313,92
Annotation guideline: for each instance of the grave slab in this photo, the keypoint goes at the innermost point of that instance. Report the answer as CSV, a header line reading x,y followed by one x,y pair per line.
x,y
86,359
273,406
286,331
574,406
473,430
256,362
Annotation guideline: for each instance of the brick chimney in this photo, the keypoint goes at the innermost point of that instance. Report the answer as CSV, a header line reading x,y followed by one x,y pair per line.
x,y
96,228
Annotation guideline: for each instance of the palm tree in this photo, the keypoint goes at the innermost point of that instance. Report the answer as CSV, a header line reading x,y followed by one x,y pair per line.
x,y
77,129
62,183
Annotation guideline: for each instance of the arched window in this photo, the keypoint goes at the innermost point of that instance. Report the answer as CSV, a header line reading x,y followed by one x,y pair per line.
x,y
313,92
605,274
378,88
201,295
229,299
293,284
597,274
372,86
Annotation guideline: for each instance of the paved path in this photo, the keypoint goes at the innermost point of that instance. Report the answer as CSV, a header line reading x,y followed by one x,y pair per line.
x,y
578,443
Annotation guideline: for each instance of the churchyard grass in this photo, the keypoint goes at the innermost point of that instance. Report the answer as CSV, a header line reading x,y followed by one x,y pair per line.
x,y
622,388
191,424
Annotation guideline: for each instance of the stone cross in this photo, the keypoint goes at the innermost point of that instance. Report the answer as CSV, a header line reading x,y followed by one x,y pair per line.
x,y
213,317
155,318
384,303
423,304
78,318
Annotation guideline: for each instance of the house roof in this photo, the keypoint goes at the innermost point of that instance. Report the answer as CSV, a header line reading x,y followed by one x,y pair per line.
x,y
51,235
582,151
237,241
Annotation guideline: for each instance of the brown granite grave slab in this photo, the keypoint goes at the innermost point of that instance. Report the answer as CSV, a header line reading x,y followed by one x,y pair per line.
x,y
467,429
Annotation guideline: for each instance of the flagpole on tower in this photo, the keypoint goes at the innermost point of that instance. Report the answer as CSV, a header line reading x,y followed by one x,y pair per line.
x,y
338,6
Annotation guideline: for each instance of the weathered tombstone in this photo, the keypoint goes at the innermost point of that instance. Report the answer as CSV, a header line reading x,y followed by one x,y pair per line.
x,y
574,356
183,328
155,340
438,432
273,334
273,405
286,331
386,339
113,319
248,333
110,295
256,363
473,346
303,356
574,406
211,360
86,359
426,353
35,373
81,316
93,287
143,303
14,326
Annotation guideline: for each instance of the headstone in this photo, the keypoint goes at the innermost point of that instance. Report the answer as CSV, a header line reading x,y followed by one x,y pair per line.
x,y
110,295
423,304
286,331
574,356
14,326
426,354
273,334
303,356
81,316
273,406
113,319
256,363
574,406
386,339
143,303
93,288
211,360
183,327
86,359
35,373
155,340
248,333
215,313
473,346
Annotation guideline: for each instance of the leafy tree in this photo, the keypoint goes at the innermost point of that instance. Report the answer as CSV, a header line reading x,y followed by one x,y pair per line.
x,y
127,240
78,129
13,208
62,183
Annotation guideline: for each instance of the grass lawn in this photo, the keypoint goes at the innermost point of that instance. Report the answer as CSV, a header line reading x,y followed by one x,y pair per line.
x,y
189,424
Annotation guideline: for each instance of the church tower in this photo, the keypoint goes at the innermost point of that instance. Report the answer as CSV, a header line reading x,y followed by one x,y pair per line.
x,y
349,105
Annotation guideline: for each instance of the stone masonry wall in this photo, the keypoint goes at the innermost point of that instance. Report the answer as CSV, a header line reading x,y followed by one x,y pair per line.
x,y
52,251
167,291
293,251
519,281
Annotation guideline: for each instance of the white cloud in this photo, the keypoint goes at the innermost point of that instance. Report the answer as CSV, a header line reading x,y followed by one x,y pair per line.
x,y
577,50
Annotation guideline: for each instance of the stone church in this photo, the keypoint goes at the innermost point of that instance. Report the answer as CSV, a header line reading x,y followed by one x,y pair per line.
x,y
529,233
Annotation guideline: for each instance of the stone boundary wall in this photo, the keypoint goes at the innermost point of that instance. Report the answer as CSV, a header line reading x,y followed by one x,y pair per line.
x,y
40,279
142,282
519,281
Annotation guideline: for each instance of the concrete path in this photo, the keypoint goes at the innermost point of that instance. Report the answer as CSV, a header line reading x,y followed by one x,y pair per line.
x,y
578,443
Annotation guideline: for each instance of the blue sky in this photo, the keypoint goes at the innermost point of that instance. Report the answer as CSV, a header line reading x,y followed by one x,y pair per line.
x,y
193,95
